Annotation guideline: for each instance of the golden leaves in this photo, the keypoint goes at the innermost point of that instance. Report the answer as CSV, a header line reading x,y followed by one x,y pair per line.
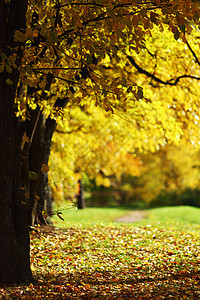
x,y
33,175
44,168
105,32
26,139
2,67
20,37
9,81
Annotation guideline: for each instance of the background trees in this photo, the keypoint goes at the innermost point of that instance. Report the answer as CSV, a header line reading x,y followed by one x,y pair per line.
x,y
169,113
83,54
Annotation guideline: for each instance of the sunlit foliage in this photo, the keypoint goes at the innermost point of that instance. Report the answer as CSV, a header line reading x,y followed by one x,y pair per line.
x,y
170,169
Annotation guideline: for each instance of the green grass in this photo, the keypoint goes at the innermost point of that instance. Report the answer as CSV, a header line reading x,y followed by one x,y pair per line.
x,y
173,215
88,216
182,215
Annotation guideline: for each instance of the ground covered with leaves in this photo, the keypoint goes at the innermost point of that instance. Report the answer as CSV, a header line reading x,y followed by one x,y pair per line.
x,y
113,262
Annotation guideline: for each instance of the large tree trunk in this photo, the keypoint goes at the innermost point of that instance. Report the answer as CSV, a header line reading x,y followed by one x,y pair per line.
x,y
14,235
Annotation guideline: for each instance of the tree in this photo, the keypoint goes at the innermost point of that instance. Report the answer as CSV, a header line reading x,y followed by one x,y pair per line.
x,y
80,195
14,235
93,142
165,73
79,65
51,54
165,172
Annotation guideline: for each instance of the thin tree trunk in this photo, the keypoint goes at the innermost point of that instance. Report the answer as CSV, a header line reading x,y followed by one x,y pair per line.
x,y
38,188
80,195
40,193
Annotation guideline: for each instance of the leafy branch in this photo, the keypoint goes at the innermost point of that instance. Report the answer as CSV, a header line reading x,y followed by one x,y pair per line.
x,y
105,15
39,69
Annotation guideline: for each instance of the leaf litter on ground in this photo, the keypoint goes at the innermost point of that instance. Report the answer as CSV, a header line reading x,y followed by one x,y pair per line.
x,y
113,262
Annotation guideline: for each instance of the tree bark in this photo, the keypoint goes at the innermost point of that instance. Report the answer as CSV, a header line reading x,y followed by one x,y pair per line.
x,y
14,235
39,189
80,195
40,192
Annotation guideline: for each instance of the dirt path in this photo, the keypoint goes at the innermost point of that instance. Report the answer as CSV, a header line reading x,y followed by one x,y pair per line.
x,y
132,216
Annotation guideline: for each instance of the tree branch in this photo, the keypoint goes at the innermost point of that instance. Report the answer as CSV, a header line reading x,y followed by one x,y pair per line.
x,y
170,82
69,132
39,69
105,15
193,53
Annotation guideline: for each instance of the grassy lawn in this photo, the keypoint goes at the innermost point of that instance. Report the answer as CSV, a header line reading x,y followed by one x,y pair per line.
x,y
90,216
182,215
156,258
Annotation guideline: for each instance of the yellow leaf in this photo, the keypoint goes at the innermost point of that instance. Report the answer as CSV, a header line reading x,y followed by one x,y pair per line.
x,y
9,82
42,85
44,168
19,37
2,68
27,195
8,69
3,56
33,175
26,139
22,106
45,214
28,69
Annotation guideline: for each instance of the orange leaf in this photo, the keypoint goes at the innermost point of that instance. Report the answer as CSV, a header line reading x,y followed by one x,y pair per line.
x,y
44,168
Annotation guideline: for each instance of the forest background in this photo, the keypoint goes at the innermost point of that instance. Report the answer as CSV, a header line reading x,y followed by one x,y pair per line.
x,y
144,156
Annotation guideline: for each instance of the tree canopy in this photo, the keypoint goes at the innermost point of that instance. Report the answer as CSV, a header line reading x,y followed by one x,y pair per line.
x,y
86,47
167,70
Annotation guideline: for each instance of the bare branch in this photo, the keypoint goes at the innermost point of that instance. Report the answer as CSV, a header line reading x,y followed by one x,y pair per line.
x,y
171,82
193,53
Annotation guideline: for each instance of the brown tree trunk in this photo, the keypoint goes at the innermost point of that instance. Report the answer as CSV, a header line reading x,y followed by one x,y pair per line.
x,y
80,195
39,189
40,193
14,235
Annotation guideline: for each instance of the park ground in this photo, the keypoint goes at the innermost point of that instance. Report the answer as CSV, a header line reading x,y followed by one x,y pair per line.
x,y
103,253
